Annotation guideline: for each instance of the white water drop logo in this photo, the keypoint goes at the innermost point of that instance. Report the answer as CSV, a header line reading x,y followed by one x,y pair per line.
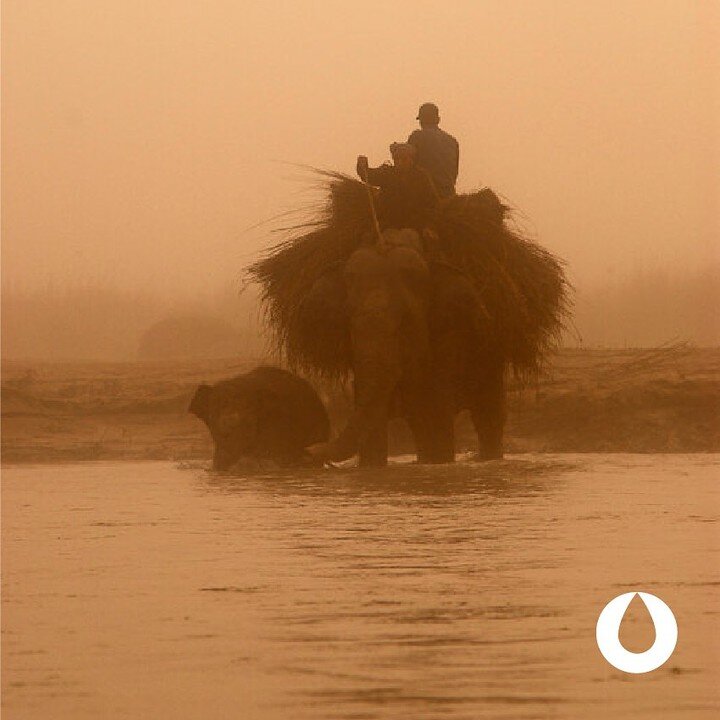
x,y
607,633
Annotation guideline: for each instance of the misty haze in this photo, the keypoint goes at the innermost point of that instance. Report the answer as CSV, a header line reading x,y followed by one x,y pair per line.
x,y
309,414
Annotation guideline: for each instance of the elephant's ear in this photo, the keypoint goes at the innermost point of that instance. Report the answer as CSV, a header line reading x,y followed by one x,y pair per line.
x,y
200,404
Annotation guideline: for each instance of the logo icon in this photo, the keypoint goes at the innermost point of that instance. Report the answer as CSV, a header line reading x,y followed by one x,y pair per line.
x,y
607,634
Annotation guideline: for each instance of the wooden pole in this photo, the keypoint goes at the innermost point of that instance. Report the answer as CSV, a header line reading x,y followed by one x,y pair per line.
x,y
371,200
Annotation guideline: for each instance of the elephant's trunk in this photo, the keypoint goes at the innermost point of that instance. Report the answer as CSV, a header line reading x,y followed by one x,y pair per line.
x,y
389,335
377,369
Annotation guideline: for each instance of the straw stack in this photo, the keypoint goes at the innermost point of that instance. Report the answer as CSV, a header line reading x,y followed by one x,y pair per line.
x,y
521,285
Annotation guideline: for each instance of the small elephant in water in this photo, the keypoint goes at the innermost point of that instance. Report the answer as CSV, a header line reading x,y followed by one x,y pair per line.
x,y
265,414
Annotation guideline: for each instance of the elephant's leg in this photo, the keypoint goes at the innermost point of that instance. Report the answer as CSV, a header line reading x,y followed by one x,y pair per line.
x,y
374,444
416,397
366,430
443,450
454,308
415,412
437,405
430,421
365,433
431,424
488,411
374,388
435,442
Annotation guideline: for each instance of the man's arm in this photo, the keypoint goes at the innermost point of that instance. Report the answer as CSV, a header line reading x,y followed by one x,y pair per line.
x,y
362,167
372,176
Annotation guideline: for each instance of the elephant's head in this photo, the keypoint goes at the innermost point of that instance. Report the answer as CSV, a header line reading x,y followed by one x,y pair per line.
x,y
232,420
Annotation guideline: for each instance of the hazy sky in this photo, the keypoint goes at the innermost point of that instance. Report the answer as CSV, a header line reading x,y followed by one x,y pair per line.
x,y
141,138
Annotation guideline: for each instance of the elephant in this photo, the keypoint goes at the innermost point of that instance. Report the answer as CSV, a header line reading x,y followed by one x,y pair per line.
x,y
265,414
419,350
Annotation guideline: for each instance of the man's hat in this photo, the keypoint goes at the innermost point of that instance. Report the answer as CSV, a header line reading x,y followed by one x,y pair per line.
x,y
428,111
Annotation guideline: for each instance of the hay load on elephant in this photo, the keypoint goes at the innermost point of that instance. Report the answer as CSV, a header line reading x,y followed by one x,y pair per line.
x,y
523,289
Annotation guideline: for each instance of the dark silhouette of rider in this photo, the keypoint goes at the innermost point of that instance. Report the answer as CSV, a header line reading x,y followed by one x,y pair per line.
x,y
407,196
438,153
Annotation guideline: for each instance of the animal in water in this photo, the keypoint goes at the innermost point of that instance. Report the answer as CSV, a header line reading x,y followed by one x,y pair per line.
x,y
267,414
418,352
427,319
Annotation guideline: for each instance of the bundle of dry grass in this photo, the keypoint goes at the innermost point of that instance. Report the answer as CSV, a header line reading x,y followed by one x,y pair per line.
x,y
522,286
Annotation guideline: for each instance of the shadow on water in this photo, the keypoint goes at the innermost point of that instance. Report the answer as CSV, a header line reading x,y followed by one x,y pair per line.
x,y
512,477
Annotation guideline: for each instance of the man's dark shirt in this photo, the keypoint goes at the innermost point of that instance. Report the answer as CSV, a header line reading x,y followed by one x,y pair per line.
x,y
439,154
406,199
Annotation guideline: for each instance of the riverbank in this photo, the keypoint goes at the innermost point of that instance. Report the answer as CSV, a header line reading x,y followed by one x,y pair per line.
x,y
657,400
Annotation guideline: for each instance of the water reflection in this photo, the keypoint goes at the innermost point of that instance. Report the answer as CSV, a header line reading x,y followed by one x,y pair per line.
x,y
509,478
395,585
460,591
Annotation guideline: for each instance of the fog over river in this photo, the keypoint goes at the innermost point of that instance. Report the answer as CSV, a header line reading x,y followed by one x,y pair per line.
x,y
149,590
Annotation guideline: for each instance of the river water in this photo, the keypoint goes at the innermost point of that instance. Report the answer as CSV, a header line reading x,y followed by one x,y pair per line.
x,y
468,591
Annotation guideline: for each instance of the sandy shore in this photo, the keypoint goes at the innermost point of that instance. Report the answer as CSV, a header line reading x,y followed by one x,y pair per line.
x,y
659,400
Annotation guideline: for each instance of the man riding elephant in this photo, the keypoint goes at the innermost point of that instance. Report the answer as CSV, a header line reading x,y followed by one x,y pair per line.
x,y
407,197
425,329
407,200
438,152
391,301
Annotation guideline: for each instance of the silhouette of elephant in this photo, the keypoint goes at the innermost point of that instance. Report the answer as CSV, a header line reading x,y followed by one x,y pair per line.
x,y
265,414
418,351
427,323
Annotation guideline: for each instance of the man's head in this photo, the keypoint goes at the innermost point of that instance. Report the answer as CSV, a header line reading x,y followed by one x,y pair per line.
x,y
428,115
403,155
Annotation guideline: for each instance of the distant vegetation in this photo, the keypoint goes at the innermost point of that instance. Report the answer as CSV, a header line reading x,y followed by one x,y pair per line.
x,y
189,337
647,309
94,322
